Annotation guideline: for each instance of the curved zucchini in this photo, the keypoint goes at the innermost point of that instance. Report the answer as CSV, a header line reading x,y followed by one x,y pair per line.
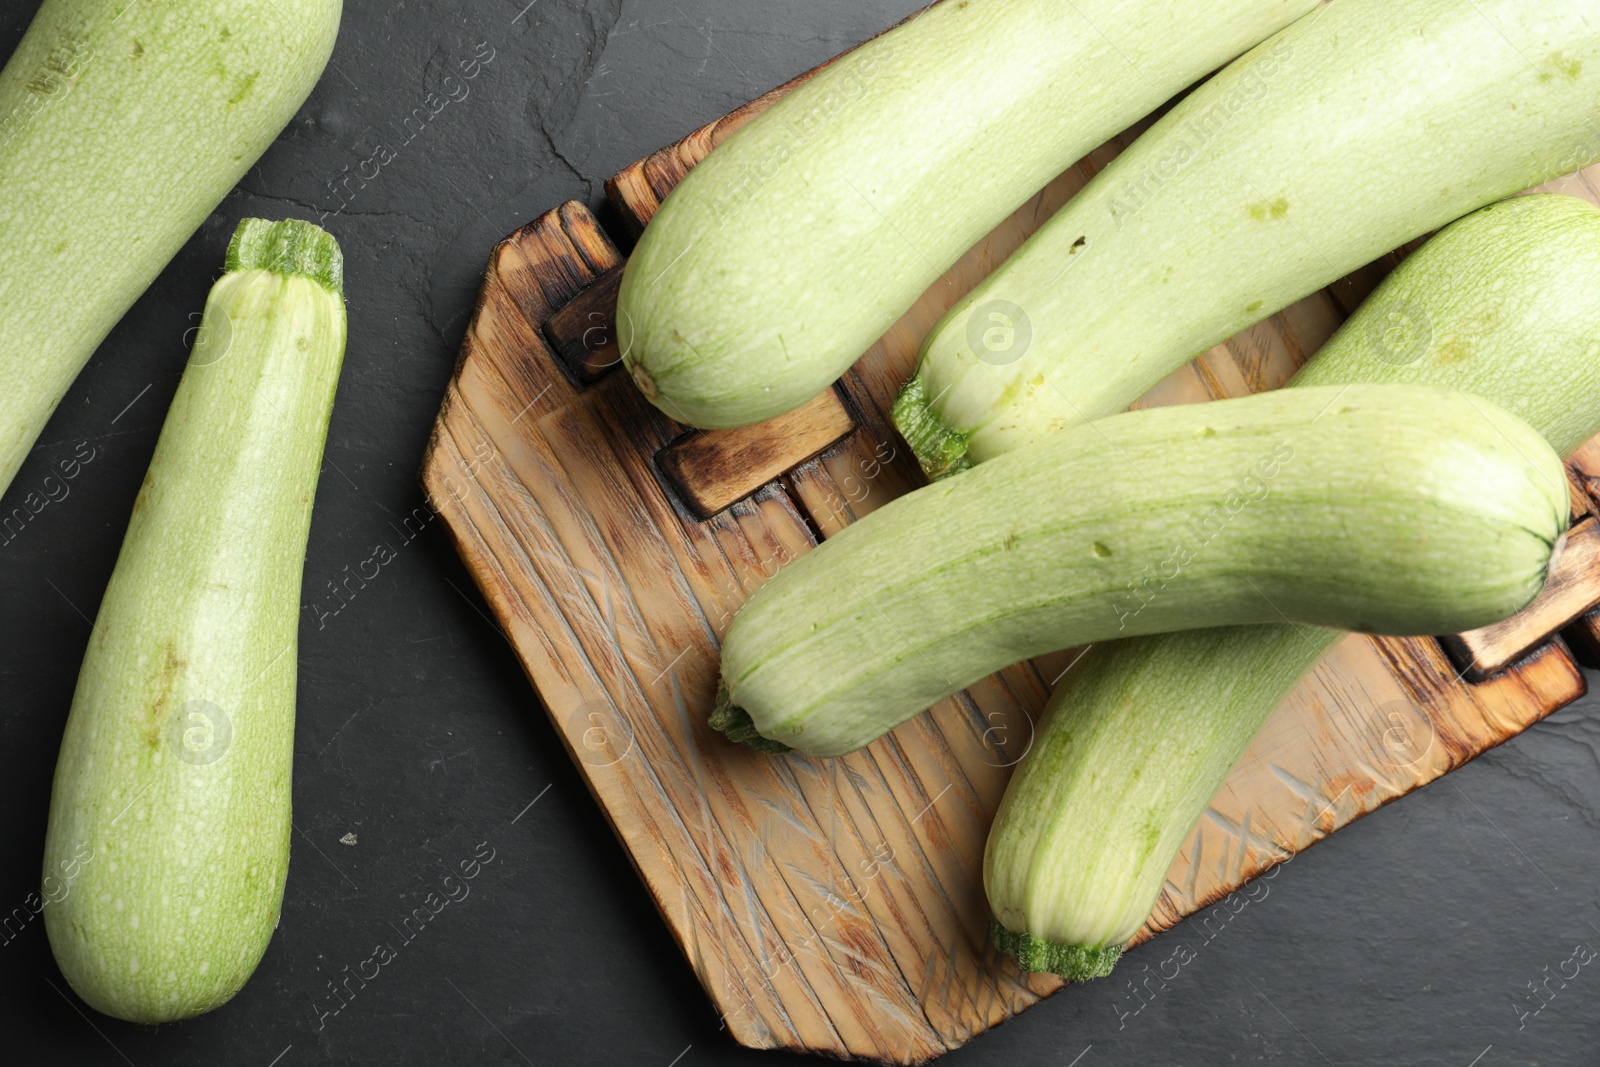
x,y
1144,732
1389,509
789,250
123,123
1352,131
170,813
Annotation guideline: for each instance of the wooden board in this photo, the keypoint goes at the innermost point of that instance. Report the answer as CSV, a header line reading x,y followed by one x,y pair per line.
x,y
836,906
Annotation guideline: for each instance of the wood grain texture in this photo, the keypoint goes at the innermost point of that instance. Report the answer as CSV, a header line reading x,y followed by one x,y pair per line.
x,y
836,906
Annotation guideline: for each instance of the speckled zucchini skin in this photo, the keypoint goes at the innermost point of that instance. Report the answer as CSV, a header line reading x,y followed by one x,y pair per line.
x,y
1387,509
123,123
169,820
793,247
1358,128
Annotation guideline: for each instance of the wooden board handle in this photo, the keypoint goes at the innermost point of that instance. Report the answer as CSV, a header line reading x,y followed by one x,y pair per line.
x,y
584,333
714,469
1572,591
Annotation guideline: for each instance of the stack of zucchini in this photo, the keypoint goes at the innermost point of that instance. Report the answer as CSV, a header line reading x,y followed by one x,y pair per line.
x,y
1409,483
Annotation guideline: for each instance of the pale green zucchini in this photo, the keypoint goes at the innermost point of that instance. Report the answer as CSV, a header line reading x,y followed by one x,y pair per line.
x,y
1389,509
170,812
1361,126
787,252
1139,738
123,123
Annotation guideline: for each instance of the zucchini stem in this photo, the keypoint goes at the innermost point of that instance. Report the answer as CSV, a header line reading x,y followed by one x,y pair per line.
x,y
734,723
289,247
941,450
1075,963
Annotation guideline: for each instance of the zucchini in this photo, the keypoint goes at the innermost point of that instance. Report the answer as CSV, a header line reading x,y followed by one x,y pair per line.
x,y
171,796
1356,129
123,123
1389,509
1144,732
793,247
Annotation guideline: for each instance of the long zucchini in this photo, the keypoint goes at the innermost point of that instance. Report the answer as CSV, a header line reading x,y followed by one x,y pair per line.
x,y
1142,734
123,123
1388,509
788,252
1356,129
171,798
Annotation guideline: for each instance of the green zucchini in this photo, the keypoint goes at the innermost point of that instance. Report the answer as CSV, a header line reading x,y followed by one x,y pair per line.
x,y
123,123
170,811
1356,129
787,252
1389,509
1144,732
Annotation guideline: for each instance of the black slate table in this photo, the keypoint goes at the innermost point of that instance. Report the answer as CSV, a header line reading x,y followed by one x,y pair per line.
x,y
1444,930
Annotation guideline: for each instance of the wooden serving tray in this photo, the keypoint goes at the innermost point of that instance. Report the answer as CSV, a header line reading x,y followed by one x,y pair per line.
x,y
837,906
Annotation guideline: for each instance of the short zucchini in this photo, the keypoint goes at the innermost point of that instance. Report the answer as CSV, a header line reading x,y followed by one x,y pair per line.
x,y
170,813
1143,732
787,253
1390,509
1359,127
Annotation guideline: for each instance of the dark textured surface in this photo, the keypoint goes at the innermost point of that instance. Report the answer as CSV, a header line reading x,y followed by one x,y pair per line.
x,y
1409,938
